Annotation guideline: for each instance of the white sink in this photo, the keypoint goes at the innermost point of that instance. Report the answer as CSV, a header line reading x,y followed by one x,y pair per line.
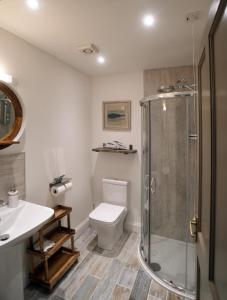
x,y
21,222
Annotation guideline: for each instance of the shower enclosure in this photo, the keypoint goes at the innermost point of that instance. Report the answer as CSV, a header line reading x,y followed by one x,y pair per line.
x,y
169,179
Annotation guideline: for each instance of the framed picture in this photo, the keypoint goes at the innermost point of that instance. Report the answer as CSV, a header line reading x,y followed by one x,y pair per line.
x,y
117,115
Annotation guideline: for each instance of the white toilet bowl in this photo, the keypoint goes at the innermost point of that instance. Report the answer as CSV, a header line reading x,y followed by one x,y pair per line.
x,y
108,217
108,221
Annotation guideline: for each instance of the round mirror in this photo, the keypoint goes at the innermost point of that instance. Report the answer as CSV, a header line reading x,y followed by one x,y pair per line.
x,y
11,116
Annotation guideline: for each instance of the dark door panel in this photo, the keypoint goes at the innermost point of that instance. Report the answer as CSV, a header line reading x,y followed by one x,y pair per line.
x,y
212,228
218,56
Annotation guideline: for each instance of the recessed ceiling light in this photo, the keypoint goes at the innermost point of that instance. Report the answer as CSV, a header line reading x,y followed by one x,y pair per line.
x,y
101,59
33,4
148,20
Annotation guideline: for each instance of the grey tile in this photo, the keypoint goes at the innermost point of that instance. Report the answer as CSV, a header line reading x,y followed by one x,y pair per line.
x,y
71,283
103,278
85,238
171,296
12,174
105,287
109,253
56,297
86,289
100,266
157,291
129,248
127,277
150,297
141,286
120,293
36,292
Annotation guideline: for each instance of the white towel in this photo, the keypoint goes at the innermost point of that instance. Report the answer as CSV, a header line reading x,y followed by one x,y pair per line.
x,y
47,244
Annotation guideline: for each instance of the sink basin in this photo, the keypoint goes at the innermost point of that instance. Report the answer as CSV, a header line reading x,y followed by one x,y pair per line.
x,y
21,222
16,225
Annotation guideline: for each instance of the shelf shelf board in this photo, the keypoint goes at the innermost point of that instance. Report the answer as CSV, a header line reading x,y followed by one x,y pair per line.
x,y
59,263
59,235
60,211
108,150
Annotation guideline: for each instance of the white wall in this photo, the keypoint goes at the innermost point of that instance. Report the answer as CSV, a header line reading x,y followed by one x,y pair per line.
x,y
127,167
64,114
58,131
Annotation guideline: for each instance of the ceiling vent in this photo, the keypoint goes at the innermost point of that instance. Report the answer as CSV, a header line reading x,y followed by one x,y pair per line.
x,y
88,49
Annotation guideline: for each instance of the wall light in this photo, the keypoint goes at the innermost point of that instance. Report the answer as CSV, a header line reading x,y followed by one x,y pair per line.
x,y
101,59
6,78
33,4
148,20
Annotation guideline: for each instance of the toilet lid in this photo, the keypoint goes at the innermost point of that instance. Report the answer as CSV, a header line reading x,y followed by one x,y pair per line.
x,y
107,213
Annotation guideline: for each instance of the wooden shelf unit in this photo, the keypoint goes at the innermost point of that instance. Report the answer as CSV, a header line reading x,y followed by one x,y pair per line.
x,y
58,264
109,150
56,261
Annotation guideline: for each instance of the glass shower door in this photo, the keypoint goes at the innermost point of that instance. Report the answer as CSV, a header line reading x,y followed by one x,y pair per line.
x,y
145,237
168,190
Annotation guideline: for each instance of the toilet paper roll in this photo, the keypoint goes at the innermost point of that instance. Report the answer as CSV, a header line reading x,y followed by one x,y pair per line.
x,y
60,188
68,185
57,190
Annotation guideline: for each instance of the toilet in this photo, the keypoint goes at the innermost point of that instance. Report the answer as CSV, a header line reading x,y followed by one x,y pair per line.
x,y
108,217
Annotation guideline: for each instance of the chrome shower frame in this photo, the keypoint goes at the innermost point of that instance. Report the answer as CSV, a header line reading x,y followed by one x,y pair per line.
x,y
166,284
171,95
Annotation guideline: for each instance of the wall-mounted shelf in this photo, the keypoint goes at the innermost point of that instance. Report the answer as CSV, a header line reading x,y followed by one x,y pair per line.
x,y
108,150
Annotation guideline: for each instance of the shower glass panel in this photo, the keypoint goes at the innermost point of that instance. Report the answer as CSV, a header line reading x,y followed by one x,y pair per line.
x,y
145,179
168,190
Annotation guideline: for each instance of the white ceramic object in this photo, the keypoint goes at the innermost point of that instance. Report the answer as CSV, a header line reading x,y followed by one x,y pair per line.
x,y
13,198
108,217
20,223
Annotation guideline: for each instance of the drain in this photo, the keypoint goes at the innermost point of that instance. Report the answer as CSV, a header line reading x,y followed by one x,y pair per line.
x,y
4,237
155,267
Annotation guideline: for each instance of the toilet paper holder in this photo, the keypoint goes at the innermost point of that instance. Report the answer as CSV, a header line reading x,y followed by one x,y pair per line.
x,y
60,180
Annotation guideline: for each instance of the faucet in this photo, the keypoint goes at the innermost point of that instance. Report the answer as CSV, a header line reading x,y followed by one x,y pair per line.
x,y
3,202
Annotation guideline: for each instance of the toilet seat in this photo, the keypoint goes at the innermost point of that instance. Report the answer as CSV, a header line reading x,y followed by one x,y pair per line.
x,y
107,213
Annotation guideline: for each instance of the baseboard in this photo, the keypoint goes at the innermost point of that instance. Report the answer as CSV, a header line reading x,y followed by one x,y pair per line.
x,y
81,227
133,227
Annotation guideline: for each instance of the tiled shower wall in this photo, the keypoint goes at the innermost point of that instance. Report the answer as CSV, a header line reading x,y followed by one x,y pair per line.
x,y
171,205
12,174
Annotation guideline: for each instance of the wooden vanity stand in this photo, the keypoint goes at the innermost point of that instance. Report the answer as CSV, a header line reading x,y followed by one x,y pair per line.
x,y
55,262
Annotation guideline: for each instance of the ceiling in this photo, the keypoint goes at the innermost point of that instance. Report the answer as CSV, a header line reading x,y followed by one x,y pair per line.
x,y
115,26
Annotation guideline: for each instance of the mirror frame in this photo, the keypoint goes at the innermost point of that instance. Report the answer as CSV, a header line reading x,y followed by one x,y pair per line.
x,y
14,134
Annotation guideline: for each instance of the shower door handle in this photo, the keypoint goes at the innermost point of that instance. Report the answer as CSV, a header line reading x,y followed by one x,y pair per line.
x,y
146,183
193,227
153,185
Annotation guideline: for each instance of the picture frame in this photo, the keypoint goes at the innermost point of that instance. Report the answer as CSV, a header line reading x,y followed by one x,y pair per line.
x,y
117,115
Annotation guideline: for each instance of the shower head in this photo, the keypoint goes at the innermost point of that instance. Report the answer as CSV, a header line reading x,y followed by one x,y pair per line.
x,y
184,84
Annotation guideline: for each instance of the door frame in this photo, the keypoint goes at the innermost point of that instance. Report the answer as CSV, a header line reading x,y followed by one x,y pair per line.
x,y
216,21
207,50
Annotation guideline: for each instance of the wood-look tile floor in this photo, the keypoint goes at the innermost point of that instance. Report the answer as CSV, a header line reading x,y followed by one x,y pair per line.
x,y
98,276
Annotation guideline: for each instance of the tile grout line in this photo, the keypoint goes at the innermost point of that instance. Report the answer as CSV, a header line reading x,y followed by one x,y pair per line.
x,y
117,281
